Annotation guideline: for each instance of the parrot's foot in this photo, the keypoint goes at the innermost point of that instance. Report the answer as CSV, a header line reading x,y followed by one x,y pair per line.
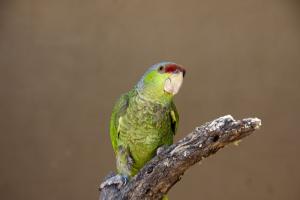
x,y
160,149
118,180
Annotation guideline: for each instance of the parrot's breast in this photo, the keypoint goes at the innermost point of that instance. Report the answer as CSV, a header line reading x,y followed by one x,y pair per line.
x,y
143,128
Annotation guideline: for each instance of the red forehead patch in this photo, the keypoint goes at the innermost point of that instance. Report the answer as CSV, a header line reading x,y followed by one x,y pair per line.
x,y
172,68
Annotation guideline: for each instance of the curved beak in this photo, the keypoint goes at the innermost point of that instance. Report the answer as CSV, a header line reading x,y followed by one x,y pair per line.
x,y
173,83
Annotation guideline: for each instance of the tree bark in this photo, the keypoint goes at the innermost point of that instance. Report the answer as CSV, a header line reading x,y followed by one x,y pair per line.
x,y
157,177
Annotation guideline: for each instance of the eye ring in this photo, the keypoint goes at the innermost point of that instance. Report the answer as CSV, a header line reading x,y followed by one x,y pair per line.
x,y
160,69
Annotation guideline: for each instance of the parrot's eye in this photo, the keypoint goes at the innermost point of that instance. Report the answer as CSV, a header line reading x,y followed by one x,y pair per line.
x,y
161,69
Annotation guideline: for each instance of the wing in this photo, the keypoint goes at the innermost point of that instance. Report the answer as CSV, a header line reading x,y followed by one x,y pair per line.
x,y
118,111
174,118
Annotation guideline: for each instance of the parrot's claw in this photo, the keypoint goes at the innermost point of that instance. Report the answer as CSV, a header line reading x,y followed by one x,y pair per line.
x,y
161,149
118,180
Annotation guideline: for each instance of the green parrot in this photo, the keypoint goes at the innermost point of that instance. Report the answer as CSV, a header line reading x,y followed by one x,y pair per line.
x,y
145,118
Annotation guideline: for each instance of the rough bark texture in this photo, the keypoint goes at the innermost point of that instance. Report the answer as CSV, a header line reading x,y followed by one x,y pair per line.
x,y
157,177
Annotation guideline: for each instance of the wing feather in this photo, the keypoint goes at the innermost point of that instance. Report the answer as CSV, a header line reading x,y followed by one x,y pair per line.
x,y
174,118
118,111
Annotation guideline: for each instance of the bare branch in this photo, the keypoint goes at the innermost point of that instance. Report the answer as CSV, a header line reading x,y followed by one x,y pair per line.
x,y
158,176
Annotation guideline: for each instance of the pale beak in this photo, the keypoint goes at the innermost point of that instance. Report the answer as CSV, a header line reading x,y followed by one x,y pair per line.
x,y
173,83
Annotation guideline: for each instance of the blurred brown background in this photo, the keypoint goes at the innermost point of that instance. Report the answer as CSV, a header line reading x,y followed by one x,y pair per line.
x,y
64,63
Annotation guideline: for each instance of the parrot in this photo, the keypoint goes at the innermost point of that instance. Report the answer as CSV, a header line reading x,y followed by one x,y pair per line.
x,y
145,119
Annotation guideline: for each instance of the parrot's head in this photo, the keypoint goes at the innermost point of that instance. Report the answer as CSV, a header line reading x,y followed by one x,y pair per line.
x,y
161,81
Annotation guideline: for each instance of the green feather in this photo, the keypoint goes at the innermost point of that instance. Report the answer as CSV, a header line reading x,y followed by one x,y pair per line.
x,y
142,120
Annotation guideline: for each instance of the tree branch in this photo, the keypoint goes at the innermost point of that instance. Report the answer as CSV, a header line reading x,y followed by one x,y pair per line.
x,y
158,176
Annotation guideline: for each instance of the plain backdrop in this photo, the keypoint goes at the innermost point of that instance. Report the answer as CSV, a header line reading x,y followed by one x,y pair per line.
x,y
64,63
